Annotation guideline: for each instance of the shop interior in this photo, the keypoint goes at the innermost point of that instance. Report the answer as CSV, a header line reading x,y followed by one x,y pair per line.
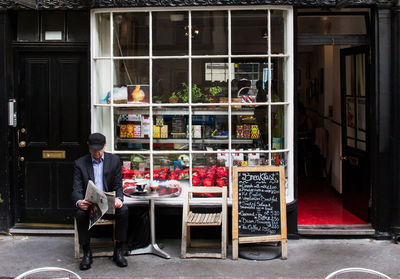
x,y
319,118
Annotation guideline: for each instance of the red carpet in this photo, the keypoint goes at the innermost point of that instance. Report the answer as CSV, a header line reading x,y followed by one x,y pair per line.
x,y
318,204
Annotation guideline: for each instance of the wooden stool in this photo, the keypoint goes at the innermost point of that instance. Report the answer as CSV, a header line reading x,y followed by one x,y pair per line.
x,y
101,222
190,219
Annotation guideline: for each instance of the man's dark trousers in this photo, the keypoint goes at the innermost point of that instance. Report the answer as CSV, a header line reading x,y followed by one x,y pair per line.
x,y
121,224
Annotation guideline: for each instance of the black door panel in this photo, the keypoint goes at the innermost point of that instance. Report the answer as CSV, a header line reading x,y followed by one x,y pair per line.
x,y
53,109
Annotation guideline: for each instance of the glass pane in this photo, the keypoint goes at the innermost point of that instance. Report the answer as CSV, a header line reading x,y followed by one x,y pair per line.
x,y
168,78
132,128
279,159
169,128
350,113
360,75
279,80
210,169
52,22
128,74
349,75
210,33
102,35
278,31
338,24
102,124
210,130
249,127
351,142
278,121
249,32
135,168
362,145
77,26
102,84
28,26
170,33
131,34
250,78
172,172
210,80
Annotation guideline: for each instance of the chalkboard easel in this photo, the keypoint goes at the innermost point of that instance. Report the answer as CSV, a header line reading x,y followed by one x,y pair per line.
x,y
259,207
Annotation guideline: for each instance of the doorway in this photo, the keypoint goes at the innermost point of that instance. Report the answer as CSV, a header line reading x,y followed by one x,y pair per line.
x,y
332,136
53,124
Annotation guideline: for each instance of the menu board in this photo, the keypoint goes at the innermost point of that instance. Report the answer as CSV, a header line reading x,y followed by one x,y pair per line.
x,y
259,207
259,203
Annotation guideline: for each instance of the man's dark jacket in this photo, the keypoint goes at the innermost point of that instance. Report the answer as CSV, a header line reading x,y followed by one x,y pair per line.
x,y
83,172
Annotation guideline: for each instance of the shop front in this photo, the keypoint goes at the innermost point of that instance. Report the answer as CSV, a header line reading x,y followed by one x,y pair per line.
x,y
183,93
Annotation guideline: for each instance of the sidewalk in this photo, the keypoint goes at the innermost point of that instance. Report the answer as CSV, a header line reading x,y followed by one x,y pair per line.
x,y
307,258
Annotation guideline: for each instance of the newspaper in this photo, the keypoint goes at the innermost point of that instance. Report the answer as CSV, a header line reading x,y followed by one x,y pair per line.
x,y
102,203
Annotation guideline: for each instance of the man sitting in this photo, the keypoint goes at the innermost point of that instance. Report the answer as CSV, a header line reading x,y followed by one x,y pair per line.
x,y
104,169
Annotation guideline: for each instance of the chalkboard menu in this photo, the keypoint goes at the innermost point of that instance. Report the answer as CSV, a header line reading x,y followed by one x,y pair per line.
x,y
259,203
259,207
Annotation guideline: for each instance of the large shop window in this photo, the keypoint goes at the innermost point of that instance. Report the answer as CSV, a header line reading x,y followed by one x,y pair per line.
x,y
185,95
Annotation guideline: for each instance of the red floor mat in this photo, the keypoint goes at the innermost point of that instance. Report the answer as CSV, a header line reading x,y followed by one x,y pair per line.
x,y
318,204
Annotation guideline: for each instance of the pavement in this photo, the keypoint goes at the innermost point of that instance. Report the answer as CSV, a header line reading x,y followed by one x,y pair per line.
x,y
307,258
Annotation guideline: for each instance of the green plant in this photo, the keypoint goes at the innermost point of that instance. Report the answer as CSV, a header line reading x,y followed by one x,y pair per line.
x,y
213,93
183,94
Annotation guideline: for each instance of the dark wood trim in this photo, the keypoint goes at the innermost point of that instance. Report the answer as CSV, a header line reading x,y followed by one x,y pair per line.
x,y
396,120
381,176
90,4
4,175
333,39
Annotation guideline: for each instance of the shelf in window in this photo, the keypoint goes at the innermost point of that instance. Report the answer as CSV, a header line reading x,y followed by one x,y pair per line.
x,y
196,141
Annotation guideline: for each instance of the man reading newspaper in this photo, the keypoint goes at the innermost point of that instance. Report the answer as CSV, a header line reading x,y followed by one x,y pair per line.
x,y
104,171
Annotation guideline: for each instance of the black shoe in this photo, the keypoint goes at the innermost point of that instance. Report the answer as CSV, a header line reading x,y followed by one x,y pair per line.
x,y
118,256
86,260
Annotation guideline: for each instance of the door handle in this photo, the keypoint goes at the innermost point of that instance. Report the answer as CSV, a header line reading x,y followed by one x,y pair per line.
x,y
21,159
343,158
22,144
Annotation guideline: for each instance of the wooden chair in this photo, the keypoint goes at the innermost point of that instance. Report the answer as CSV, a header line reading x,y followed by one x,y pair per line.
x,y
190,219
101,222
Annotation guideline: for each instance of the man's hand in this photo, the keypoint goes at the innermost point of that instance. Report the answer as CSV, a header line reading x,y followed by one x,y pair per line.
x,y
84,205
117,203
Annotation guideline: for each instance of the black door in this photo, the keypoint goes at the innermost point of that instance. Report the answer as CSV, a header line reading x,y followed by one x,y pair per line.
x,y
53,125
355,90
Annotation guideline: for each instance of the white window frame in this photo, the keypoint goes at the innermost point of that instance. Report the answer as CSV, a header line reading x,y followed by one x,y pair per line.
x,y
289,88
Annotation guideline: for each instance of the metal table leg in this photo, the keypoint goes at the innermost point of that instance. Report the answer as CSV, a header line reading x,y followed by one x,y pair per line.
x,y
152,248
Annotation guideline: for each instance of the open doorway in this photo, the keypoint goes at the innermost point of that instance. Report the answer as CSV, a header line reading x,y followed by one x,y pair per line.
x,y
332,138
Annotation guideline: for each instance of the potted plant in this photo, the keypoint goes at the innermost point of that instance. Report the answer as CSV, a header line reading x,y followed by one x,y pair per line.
x,y
174,97
183,94
213,93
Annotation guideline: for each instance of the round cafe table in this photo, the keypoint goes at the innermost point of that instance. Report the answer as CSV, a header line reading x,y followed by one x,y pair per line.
x,y
153,247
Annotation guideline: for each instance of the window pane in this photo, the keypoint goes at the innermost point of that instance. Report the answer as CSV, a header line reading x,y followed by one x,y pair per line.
x,y
249,32
210,170
170,128
210,80
53,22
102,81
249,127
78,28
28,26
210,33
170,33
339,24
132,128
210,129
278,123
102,35
278,31
128,74
102,124
278,80
131,34
168,76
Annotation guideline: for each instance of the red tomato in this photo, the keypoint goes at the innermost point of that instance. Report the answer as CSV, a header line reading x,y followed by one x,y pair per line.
x,y
220,182
208,182
196,181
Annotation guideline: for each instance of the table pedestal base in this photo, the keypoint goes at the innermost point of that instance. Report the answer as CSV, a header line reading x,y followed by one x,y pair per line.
x,y
150,249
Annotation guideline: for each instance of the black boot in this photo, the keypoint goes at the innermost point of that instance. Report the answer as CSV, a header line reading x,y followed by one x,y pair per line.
x,y
87,258
118,256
